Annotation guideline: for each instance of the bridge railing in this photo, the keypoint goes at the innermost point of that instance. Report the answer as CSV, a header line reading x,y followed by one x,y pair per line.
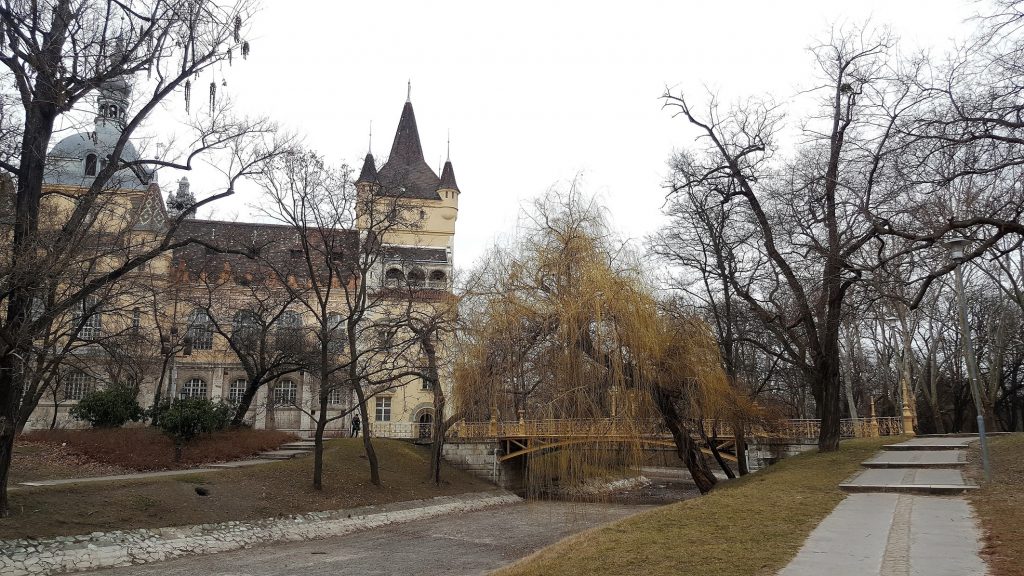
x,y
604,427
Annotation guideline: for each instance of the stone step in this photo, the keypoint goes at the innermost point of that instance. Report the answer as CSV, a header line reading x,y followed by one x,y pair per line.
x,y
926,489
281,454
939,443
238,463
917,459
298,446
922,447
909,480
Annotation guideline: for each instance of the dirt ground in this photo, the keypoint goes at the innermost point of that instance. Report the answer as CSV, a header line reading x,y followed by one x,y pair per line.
x,y
48,461
136,448
262,491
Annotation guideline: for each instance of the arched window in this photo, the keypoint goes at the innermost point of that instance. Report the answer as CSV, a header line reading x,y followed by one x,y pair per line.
x,y
289,329
112,111
90,164
194,388
394,278
289,320
78,384
200,328
237,390
285,393
246,327
438,279
417,277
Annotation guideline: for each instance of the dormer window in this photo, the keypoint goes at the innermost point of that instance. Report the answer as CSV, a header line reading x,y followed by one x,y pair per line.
x,y
90,165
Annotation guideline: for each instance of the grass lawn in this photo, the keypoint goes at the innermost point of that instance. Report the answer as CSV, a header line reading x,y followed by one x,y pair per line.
x,y
750,526
1000,505
54,454
262,491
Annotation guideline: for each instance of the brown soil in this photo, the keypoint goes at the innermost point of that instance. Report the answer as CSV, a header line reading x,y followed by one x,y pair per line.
x,y
120,450
1000,504
50,461
262,491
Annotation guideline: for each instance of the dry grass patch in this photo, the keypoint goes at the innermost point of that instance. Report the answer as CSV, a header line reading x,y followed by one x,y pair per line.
x,y
1000,504
145,448
266,490
750,526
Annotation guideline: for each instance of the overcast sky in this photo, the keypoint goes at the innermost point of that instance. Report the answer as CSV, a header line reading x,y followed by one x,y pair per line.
x,y
536,93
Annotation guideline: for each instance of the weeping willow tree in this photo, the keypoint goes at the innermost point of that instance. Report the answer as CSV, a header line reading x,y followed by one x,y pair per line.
x,y
565,327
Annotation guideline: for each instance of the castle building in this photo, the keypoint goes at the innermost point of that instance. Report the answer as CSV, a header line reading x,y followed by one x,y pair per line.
x,y
180,321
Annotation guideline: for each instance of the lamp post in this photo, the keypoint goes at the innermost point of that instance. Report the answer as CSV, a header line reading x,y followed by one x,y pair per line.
x,y
956,252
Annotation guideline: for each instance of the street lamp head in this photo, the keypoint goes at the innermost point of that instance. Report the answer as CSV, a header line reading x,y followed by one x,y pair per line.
x,y
957,247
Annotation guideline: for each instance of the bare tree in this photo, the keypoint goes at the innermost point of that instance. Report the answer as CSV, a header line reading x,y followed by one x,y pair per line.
x,y
260,321
55,54
339,229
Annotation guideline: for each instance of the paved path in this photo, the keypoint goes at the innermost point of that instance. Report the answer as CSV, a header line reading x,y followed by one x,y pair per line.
x,y
473,543
888,528
918,466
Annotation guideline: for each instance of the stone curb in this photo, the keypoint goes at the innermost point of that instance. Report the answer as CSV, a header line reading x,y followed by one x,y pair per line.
x,y
129,547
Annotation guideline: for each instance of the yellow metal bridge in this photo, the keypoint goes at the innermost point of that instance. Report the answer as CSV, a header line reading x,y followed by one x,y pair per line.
x,y
523,437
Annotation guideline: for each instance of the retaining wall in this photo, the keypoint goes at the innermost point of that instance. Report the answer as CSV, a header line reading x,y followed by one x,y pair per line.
x,y
129,547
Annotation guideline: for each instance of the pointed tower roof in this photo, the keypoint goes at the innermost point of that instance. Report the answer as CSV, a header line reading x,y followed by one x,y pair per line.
x,y
368,174
448,178
406,173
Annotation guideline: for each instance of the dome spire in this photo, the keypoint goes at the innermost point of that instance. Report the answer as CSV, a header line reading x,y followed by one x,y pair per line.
x,y
408,91
112,101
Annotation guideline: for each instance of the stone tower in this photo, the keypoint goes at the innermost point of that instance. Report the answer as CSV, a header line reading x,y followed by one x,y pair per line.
x,y
429,204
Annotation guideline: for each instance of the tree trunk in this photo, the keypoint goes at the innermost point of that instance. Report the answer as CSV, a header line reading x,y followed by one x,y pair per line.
x,y
244,403
687,449
437,442
318,439
711,442
371,454
828,437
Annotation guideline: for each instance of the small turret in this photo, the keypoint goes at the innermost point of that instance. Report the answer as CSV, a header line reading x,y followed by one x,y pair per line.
x,y
448,178
112,101
182,201
368,175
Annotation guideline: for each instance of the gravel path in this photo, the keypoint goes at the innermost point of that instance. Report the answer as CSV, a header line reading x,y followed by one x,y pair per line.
x,y
473,543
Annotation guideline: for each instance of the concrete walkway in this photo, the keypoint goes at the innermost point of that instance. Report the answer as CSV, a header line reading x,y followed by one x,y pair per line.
x,y
890,527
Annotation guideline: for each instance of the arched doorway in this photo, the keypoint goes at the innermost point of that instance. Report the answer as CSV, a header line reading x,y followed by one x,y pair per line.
x,y
425,422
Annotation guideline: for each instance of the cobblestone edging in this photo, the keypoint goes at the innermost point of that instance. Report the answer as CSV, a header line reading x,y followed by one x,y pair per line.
x,y
128,547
